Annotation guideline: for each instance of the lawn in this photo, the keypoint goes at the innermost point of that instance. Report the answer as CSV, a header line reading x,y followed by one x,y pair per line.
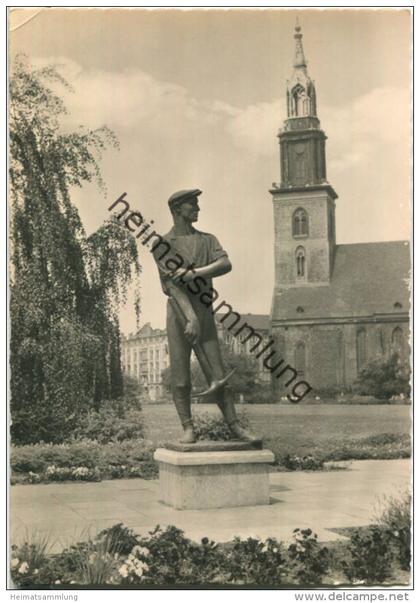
x,y
301,437
310,429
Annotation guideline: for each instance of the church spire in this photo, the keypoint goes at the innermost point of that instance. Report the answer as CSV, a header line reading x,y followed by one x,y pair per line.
x,y
301,96
300,61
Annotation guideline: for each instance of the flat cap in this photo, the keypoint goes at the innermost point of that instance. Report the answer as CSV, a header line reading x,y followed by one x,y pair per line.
x,y
181,196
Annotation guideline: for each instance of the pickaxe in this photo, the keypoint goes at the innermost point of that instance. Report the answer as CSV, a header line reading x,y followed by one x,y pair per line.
x,y
214,384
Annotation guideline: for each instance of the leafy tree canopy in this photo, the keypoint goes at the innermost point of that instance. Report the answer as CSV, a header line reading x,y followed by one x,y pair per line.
x,y
66,287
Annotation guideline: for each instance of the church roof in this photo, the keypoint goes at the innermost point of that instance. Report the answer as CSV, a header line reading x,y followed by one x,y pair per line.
x,y
367,279
259,322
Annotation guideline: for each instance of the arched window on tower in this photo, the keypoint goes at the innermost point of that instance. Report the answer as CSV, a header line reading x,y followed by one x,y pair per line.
x,y
312,96
397,341
360,349
301,102
300,358
300,262
298,97
300,223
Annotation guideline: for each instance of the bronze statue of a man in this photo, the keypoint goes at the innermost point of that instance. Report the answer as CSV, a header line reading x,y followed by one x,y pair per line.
x,y
192,259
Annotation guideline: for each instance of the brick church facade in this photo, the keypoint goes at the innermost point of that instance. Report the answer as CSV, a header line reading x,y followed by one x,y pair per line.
x,y
335,307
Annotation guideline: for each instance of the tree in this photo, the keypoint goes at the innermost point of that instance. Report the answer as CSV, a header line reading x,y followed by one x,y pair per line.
x,y
384,379
65,286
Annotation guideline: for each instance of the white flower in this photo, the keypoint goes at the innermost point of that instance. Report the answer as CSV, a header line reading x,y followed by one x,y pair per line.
x,y
57,582
275,550
123,571
36,571
15,562
24,568
141,567
140,550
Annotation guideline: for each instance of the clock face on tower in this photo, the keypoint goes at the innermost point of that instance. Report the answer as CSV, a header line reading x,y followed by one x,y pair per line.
x,y
299,163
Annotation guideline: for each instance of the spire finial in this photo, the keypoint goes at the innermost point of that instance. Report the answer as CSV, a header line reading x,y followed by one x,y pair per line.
x,y
300,60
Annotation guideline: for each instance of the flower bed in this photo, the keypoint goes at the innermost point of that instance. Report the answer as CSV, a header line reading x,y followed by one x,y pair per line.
x,y
119,557
83,461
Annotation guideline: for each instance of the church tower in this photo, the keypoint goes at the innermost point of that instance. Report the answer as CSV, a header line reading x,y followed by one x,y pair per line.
x,y
304,201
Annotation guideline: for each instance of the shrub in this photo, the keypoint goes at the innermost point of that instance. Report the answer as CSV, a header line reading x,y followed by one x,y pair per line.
x,y
252,561
285,460
174,559
208,427
370,556
98,562
262,394
105,426
133,390
396,520
309,561
384,379
84,460
301,463
30,562
121,539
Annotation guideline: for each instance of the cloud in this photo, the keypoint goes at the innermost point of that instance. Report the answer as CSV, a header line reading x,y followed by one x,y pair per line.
x,y
373,123
134,100
255,127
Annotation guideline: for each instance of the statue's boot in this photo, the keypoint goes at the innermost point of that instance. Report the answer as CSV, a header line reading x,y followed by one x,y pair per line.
x,y
189,435
182,399
229,413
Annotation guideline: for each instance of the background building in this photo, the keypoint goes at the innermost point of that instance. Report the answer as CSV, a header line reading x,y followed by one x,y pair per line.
x,y
335,307
144,355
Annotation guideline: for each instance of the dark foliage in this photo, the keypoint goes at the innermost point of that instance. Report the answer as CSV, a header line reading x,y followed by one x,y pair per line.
x,y
66,286
371,556
384,379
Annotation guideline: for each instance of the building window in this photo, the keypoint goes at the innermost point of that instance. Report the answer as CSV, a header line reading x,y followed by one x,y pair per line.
x,y
300,223
360,349
300,358
300,262
300,102
397,341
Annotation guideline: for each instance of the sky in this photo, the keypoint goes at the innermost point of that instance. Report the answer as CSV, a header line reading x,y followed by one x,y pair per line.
x,y
196,98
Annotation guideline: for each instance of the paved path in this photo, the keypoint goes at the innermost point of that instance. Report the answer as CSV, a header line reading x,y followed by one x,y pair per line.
x,y
321,501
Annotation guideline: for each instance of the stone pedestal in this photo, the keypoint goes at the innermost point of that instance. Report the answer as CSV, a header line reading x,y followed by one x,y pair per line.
x,y
215,478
